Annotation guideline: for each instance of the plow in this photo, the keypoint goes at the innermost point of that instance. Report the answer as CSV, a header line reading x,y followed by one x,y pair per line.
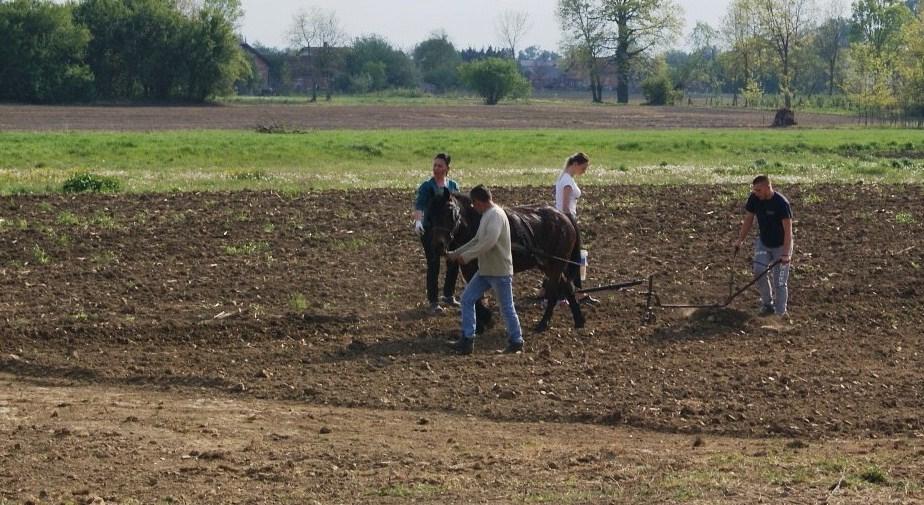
x,y
653,298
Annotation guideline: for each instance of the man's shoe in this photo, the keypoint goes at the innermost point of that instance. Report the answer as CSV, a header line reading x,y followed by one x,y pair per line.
x,y
513,348
435,309
463,345
766,310
451,301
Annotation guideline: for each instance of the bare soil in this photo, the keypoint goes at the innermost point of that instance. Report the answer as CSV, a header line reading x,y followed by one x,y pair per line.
x,y
196,346
247,117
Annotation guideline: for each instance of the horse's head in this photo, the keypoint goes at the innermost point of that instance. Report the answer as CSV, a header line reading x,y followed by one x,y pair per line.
x,y
444,218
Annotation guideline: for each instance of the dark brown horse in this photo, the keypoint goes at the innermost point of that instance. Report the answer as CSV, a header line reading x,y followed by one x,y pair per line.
x,y
541,237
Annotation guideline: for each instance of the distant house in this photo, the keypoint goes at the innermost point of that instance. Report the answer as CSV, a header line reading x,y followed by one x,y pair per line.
x,y
545,73
261,65
306,69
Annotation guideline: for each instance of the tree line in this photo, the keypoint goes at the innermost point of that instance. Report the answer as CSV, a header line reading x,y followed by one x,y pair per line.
x,y
88,50
869,52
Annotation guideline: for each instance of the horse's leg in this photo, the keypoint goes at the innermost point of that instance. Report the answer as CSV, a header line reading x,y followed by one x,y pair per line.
x,y
579,319
484,317
551,299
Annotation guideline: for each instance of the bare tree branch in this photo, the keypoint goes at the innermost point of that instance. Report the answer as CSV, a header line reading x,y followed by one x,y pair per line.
x,y
511,27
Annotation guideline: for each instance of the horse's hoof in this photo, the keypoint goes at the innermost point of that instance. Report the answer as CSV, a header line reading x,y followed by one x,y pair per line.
x,y
542,327
580,324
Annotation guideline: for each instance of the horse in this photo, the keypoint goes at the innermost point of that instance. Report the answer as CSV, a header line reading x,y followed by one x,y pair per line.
x,y
542,237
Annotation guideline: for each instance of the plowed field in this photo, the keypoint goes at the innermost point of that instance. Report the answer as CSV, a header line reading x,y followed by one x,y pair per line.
x,y
248,117
315,301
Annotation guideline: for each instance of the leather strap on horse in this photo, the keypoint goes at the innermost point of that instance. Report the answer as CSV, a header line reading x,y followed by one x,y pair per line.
x,y
524,249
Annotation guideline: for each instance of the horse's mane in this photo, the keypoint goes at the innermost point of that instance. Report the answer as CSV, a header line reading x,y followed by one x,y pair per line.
x,y
462,199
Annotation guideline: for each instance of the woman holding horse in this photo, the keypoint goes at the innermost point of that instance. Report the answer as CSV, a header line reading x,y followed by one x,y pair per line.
x,y
567,194
425,193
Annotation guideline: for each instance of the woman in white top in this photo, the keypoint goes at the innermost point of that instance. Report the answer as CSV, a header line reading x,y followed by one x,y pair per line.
x,y
567,194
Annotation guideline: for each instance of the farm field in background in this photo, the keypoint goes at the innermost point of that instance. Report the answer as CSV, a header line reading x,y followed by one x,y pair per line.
x,y
354,159
216,347
560,114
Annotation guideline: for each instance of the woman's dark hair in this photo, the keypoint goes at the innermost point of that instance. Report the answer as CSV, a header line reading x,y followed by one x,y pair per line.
x,y
445,157
577,159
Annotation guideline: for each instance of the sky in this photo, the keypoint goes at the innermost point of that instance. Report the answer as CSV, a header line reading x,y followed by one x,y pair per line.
x,y
404,23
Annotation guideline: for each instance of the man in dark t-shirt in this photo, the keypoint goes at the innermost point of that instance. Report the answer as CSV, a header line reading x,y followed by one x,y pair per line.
x,y
774,242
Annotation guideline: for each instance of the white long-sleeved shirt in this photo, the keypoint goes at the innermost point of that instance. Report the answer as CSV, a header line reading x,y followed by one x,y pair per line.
x,y
491,244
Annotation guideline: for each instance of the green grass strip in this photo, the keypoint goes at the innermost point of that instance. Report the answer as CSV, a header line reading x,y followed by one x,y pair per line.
x,y
234,160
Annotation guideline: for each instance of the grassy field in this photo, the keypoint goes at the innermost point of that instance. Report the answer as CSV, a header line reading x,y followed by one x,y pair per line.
x,y
231,160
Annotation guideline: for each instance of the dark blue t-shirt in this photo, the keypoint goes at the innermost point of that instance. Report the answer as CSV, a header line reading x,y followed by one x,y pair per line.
x,y
770,215
428,190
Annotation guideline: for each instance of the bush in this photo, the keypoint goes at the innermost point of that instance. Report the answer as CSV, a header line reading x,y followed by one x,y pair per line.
x,y
658,90
82,183
494,79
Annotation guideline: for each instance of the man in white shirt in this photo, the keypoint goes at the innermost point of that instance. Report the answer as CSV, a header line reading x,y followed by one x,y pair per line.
x,y
491,247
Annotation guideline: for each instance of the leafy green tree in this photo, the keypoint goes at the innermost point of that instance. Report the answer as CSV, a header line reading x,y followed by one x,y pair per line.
x,y
438,62
41,53
911,67
742,35
586,39
213,60
494,79
878,23
658,87
151,50
831,39
374,60
785,24
638,27
704,71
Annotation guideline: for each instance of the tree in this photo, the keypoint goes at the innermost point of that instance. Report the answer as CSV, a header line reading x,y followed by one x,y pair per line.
x,y
149,49
911,68
213,60
438,62
878,23
658,88
831,39
640,25
704,70
374,61
784,24
494,79
585,30
41,53
231,10
742,36
511,27
317,34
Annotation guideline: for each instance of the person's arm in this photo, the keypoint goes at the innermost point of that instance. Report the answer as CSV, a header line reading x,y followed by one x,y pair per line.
x,y
787,241
487,236
746,225
566,198
420,204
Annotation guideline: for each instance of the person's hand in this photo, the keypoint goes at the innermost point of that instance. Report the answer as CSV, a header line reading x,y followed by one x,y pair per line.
x,y
455,258
786,259
418,227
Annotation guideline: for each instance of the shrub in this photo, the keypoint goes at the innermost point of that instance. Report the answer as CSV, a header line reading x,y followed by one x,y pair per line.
x,y
658,90
494,79
81,183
